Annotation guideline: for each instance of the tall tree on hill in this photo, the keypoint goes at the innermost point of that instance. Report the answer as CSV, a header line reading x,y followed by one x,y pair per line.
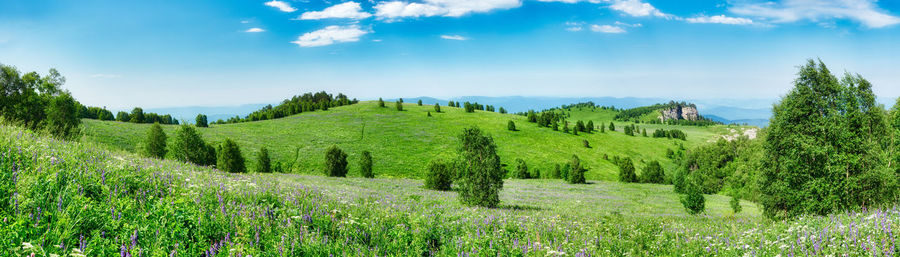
x,y
137,115
437,107
419,103
365,165
62,121
399,105
576,172
626,171
201,121
188,146
335,162
521,170
380,102
502,110
826,146
612,127
263,163
653,173
229,157
480,174
511,126
590,126
155,144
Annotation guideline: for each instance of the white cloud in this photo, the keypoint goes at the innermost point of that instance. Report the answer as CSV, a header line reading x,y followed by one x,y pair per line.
x,y
283,6
348,10
447,8
330,35
720,19
245,22
454,37
607,29
254,30
637,8
865,12
574,26
635,25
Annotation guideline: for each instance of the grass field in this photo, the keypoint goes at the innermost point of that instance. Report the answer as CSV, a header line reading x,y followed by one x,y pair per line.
x,y
403,142
82,199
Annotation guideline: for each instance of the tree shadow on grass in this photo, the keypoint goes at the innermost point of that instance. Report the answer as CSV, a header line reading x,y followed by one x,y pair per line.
x,y
516,207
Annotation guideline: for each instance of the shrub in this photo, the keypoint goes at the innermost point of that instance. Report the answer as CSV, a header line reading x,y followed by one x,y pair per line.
x,y
511,126
122,117
481,177
626,171
137,115
399,105
277,167
612,127
602,129
564,172
155,144
201,121
189,146
590,126
428,114
693,200
263,163
536,174
653,173
380,102
576,175
335,162
586,143
229,157
62,121
419,102
521,171
439,175
556,171
735,204
502,110
437,107
365,165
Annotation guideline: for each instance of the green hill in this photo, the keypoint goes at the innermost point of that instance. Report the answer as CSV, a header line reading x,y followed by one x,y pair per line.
x,y
403,142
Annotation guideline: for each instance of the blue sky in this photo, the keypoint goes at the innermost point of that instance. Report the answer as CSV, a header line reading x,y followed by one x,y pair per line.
x,y
121,54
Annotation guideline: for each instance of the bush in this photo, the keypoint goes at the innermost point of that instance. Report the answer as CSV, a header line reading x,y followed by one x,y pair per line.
x,y
653,173
576,175
626,171
503,111
586,143
521,171
735,204
419,102
365,165
201,121
263,163
437,107
229,157
511,126
481,177
380,102
137,115
62,121
189,146
590,126
556,173
612,127
439,175
155,144
335,162
399,105
693,200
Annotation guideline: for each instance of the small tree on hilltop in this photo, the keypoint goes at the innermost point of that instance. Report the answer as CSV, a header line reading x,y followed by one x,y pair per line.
x,y
380,102
481,177
521,170
439,175
263,163
155,144
230,158
399,105
590,126
626,171
62,121
576,174
612,127
201,121
365,165
335,162
419,102
437,107
511,126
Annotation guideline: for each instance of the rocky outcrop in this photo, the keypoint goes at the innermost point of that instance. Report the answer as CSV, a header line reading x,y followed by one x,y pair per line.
x,y
679,112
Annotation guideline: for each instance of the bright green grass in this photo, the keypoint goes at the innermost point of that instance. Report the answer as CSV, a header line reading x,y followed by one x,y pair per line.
x,y
403,142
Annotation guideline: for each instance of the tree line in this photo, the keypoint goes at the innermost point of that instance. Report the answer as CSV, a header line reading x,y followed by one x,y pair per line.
x,y
307,102
38,102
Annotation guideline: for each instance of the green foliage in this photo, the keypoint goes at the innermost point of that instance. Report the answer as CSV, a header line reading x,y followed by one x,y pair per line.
x,y
602,129
521,171
626,171
480,175
188,146
229,157
335,162
673,133
137,115
576,174
307,102
612,127
586,143
826,147
590,126
735,204
37,102
62,121
536,173
263,163
503,111
439,175
730,166
399,105
629,131
644,132
557,172
511,126
380,102
365,165
419,103
437,107
155,143
201,121
123,117
693,200
653,173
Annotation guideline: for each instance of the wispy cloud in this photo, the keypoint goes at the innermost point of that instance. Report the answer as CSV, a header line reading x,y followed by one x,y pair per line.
x,y
720,19
447,8
865,12
574,26
607,29
454,37
637,8
254,30
105,76
281,5
348,10
330,35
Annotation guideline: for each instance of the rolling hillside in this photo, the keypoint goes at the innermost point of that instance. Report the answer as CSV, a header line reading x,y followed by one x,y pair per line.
x,y
403,142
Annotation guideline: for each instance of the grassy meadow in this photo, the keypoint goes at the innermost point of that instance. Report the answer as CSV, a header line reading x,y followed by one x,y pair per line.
x,y
402,142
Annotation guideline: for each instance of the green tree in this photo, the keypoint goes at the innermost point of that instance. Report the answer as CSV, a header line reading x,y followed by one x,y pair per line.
x,y
122,117
188,146
380,102
25,98
556,171
511,126
735,204
502,110
437,107
365,165
137,115
602,129
895,123
439,175
263,163
62,121
586,143
521,170
419,102
480,178
576,174
626,171
693,201
155,144
335,162
229,157
399,105
612,127
653,173
590,126
644,132
201,121
826,146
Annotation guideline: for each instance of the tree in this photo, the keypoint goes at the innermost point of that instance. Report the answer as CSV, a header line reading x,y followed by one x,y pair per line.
x,y
586,143
380,102
735,204
188,146
565,127
335,162
437,107
439,175
612,127
556,171
502,110
122,117
480,178
693,201
555,126
644,132
590,126
155,144
451,104
602,129
62,121
626,171
25,99
137,115
653,173
201,121
576,174
579,126
365,165
825,148
536,174
229,157
419,102
399,105
263,163
521,170
511,126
